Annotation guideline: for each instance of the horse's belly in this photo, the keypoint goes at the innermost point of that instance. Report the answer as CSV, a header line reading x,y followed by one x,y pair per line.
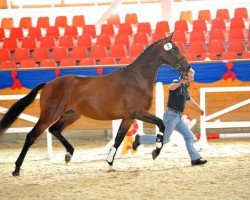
x,y
102,110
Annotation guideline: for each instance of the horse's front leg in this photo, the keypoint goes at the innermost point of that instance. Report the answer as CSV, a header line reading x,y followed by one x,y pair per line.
x,y
147,117
123,129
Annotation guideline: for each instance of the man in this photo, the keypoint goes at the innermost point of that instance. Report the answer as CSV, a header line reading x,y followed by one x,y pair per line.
x,y
178,96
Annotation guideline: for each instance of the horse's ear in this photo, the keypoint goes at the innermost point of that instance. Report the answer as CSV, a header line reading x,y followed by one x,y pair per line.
x,y
169,38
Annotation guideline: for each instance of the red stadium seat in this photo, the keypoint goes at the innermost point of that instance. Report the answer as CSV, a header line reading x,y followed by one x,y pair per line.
x,y
241,13
141,38
97,52
126,60
59,53
10,43
180,36
196,47
103,39
87,61
61,21
191,56
47,63
117,51
40,54
122,38
231,55
131,18
27,64
7,23
236,45
237,23
29,43
71,31
8,64
157,36
186,15
79,52
125,28
107,60
208,56
246,55
47,42
84,40
4,55
53,31
199,25
35,32
136,49
162,27
66,62
89,29
21,54
181,25
236,34
43,22
204,15
216,46
218,23
66,41
78,20
223,14
107,29
197,36
144,27
25,22
16,33
217,34
114,19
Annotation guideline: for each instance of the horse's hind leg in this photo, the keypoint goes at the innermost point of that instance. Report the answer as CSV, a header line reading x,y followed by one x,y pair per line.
x,y
123,129
65,120
31,137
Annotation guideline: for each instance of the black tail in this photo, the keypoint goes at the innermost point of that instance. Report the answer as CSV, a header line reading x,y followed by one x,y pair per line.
x,y
18,108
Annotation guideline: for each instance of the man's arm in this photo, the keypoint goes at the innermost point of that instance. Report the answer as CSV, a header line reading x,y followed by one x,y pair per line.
x,y
174,86
192,102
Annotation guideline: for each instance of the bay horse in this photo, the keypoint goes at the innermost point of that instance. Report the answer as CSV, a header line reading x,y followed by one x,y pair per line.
x,y
124,94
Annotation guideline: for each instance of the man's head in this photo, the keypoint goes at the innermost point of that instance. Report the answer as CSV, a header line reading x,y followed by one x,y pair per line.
x,y
190,78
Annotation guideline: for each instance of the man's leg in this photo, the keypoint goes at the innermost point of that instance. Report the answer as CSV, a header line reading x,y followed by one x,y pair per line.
x,y
189,140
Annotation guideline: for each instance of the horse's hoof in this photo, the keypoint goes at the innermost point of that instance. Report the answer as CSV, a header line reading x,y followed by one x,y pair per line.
x,y
155,153
111,169
16,173
68,157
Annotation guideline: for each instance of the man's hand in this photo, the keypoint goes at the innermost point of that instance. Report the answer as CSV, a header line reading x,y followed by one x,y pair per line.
x,y
202,112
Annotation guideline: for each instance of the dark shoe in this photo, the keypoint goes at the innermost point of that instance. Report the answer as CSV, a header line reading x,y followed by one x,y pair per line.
x,y
136,143
198,162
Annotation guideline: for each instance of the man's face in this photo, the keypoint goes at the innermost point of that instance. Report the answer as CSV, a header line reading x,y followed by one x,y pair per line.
x,y
190,78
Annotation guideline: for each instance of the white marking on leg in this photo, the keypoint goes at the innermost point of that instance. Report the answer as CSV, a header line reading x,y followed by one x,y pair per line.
x,y
111,154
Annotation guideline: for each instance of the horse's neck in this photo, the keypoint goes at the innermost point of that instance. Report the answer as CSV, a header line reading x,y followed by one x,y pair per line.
x,y
146,68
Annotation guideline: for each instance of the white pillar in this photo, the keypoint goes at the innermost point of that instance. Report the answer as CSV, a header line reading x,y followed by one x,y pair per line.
x,y
159,102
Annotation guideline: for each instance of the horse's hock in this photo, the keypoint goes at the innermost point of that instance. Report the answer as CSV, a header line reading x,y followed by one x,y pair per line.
x,y
89,129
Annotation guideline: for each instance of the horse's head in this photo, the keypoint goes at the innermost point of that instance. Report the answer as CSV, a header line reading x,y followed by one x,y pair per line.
x,y
172,55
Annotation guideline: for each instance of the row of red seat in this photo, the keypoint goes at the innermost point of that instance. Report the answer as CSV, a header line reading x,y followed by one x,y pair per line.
x,y
161,27
65,62
62,21
83,40
220,13
108,60
97,52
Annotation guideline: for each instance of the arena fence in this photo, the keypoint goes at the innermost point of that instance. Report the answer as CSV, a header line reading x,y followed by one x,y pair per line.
x,y
205,123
